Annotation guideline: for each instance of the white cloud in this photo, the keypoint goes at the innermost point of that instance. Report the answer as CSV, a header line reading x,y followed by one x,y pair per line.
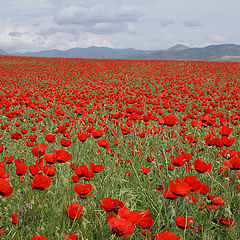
x,y
75,14
154,24
216,39
192,23
15,34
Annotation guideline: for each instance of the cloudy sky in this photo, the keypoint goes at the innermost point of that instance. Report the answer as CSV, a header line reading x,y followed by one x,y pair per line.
x,y
33,25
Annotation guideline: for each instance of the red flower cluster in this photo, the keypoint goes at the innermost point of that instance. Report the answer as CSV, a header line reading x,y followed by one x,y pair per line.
x,y
75,211
83,190
124,224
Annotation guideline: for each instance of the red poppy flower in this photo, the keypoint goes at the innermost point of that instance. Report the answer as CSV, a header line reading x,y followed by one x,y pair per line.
x,y
33,129
64,142
146,118
21,169
9,159
170,120
145,170
150,158
41,182
120,227
61,129
168,194
142,134
218,200
145,220
202,167
2,230
217,142
225,131
49,158
131,216
73,166
83,171
73,236
75,179
166,236
29,143
2,171
50,138
227,221
179,160
16,135
83,190
5,188
125,131
204,189
97,133
111,205
179,188
182,222
193,182
33,137
14,218
49,171
96,168
75,211
39,150
34,169
193,199
61,156
207,119
17,124
195,123
228,141
234,163
172,134
103,143
82,136
37,237
23,131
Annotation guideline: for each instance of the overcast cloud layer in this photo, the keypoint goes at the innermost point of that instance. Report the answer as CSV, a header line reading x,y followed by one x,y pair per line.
x,y
28,25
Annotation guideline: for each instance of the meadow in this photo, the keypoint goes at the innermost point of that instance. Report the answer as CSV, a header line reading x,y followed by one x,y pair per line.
x,y
119,149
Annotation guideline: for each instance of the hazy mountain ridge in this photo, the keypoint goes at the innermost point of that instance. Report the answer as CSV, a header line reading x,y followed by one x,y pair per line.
x,y
2,52
91,52
178,47
223,52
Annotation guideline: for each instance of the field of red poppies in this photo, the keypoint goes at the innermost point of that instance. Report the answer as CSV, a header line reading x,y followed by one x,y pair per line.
x,y
107,149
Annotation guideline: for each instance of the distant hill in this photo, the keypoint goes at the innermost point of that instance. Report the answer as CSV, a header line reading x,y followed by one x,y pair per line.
x,y
224,52
91,52
178,47
2,52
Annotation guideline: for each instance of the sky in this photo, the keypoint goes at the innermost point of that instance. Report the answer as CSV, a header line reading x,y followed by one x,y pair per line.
x,y
34,25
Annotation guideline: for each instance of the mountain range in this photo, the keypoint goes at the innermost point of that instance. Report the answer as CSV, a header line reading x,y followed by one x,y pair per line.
x,y
3,52
223,52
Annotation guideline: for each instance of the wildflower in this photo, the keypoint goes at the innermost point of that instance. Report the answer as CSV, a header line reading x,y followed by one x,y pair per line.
x,y
5,188
75,211
111,205
182,222
41,182
83,190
